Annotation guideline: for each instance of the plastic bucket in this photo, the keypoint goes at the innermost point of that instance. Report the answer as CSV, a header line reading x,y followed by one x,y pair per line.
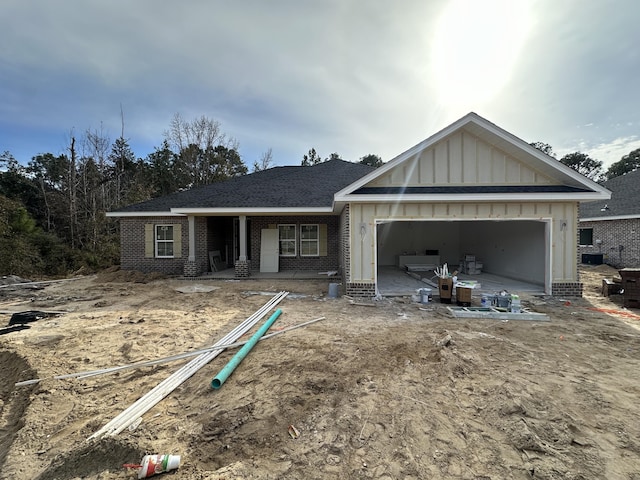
x,y
425,295
333,290
153,464
515,306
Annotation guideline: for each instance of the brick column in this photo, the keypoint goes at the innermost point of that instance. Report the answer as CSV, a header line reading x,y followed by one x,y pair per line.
x,y
191,269
242,268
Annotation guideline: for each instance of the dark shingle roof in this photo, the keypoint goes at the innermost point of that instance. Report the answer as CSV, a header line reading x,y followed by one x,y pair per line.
x,y
625,198
279,187
468,189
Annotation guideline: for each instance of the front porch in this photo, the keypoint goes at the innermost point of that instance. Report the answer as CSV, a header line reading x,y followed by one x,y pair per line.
x,y
230,274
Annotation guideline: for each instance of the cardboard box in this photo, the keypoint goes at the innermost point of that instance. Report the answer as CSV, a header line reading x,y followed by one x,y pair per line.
x,y
445,288
463,296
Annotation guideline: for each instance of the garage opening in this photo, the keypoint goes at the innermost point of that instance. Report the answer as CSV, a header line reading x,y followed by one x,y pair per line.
x,y
507,253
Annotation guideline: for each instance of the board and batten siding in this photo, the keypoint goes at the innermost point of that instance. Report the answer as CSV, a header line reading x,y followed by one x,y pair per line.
x,y
561,217
461,159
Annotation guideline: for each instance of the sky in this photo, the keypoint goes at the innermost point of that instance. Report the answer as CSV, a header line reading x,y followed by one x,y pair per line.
x,y
345,76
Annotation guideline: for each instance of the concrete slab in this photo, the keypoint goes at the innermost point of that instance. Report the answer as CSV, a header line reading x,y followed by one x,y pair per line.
x,y
393,281
492,313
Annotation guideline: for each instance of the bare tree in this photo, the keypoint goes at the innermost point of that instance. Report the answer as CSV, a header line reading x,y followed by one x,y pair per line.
x,y
73,192
195,143
203,132
265,161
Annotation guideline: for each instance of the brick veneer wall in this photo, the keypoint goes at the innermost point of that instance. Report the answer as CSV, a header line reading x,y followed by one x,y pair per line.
x,y
202,248
360,289
132,243
328,262
615,233
566,289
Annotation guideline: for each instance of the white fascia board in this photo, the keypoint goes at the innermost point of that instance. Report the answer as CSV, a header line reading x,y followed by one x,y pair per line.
x,y
613,217
252,211
379,221
473,197
143,214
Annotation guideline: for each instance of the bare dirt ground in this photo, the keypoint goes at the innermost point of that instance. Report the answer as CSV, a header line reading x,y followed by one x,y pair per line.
x,y
375,391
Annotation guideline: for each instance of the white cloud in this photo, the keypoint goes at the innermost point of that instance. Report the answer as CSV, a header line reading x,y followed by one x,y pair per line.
x,y
612,151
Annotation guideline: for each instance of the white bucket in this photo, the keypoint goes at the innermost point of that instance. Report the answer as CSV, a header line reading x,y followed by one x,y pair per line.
x,y
425,295
515,306
333,290
153,464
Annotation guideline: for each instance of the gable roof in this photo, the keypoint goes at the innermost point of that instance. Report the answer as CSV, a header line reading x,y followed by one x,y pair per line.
x,y
569,183
288,188
624,202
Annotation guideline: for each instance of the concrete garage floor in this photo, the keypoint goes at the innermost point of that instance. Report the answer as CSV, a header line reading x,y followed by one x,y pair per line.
x,y
393,282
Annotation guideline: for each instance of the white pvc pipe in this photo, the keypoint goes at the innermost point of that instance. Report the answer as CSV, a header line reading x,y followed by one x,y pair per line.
x,y
146,402
164,388
159,361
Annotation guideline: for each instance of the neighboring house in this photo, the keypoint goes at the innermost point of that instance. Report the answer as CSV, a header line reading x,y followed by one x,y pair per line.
x,y
471,188
610,229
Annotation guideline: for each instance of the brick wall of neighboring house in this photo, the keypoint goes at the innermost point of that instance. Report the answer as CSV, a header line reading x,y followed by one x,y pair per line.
x,y
617,240
132,245
319,263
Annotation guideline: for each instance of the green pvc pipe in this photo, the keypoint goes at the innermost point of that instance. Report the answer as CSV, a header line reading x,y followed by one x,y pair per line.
x,y
228,369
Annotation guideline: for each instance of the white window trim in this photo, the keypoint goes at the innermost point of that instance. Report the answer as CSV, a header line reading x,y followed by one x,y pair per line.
x,y
157,242
316,240
295,240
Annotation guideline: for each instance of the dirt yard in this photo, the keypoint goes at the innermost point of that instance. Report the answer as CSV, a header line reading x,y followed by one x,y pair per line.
x,y
387,390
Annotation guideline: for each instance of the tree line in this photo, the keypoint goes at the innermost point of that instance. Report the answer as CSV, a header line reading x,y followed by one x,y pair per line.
x,y
592,168
53,209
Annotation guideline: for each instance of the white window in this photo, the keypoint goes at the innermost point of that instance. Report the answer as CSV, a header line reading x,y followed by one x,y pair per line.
x,y
288,242
164,241
309,240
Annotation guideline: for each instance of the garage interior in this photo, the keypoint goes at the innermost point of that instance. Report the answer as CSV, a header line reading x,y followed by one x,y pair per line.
x,y
508,254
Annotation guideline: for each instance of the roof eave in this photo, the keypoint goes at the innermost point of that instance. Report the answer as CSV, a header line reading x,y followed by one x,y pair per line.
x,y
253,211
181,212
143,214
611,217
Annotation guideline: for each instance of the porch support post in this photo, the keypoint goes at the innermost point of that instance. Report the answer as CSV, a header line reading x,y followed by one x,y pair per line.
x,y
192,238
243,238
190,268
242,266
